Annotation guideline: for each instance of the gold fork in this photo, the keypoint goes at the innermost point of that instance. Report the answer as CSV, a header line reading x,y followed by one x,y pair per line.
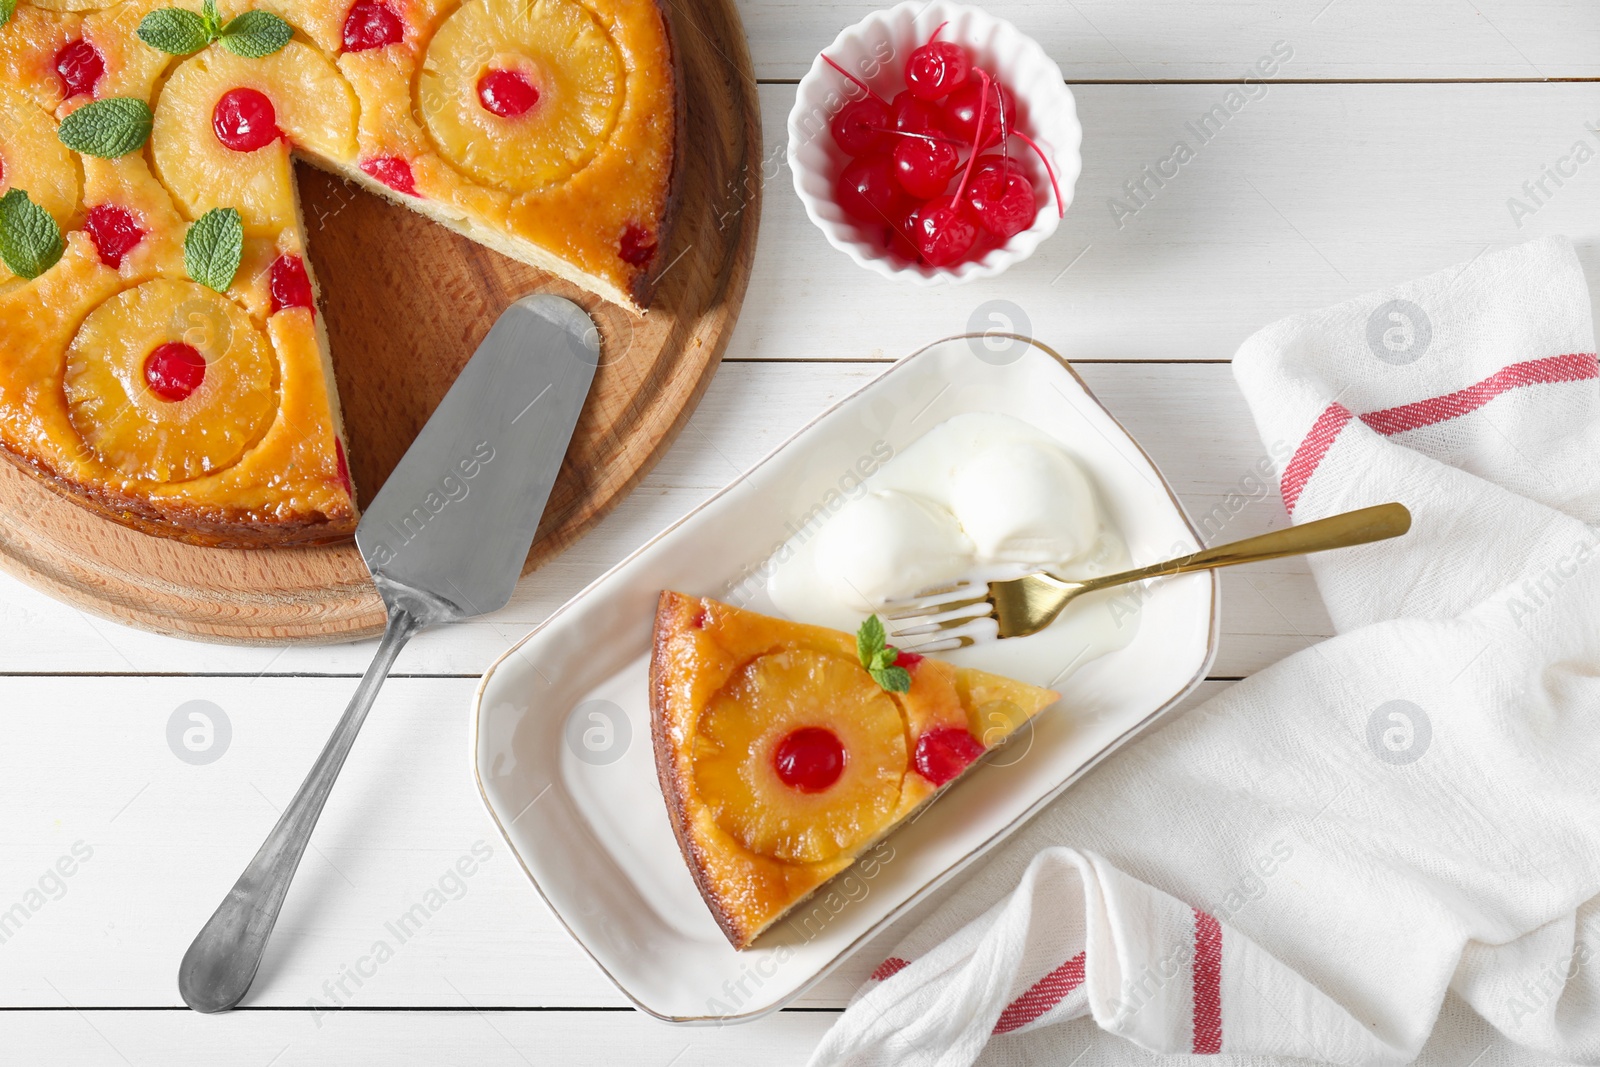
x,y
950,617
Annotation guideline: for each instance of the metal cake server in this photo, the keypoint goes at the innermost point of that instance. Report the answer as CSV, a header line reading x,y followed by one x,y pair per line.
x,y
445,540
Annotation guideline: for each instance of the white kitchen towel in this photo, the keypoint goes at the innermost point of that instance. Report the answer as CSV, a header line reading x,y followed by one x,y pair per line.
x,y
1305,865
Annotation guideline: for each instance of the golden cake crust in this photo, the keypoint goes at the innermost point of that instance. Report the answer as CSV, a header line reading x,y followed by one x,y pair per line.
x,y
700,647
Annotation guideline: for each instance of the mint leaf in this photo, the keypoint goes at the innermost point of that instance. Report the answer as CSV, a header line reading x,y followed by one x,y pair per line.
x,y
213,248
175,31
7,9
30,240
107,128
208,11
255,34
870,641
878,657
893,679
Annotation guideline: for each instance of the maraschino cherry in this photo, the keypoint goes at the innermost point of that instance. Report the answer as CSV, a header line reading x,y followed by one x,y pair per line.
x,y
936,69
810,759
944,753
79,65
290,284
962,108
174,371
924,165
371,25
245,120
1001,197
868,192
859,126
393,172
114,232
507,93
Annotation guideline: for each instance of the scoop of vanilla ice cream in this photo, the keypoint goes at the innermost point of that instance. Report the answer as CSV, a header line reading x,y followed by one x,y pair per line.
x,y
887,544
1025,502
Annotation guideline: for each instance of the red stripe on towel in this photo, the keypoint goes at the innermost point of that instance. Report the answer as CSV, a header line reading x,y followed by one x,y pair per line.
x,y
1573,367
1040,997
889,968
1207,985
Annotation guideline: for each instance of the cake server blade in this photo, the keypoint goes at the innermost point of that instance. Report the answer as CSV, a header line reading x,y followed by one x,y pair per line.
x,y
445,540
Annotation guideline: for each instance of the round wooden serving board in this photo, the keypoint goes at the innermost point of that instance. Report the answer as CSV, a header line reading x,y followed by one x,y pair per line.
x,y
407,304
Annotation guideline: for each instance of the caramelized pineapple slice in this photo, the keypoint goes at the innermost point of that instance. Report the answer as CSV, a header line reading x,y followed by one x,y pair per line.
x,y
309,102
801,756
169,381
29,44
32,159
520,94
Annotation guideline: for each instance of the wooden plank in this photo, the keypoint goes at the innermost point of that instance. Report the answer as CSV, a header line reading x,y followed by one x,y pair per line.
x,y
404,1039
149,843
1178,40
1309,195
1191,418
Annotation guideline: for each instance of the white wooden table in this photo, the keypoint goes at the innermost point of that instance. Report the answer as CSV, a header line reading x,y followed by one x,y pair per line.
x,y
1389,145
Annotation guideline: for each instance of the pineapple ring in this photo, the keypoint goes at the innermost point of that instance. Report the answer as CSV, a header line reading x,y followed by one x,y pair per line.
x,y
140,435
770,698
33,159
559,47
314,107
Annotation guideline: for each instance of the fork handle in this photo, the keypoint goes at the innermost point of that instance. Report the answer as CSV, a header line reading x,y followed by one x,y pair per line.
x,y
1337,531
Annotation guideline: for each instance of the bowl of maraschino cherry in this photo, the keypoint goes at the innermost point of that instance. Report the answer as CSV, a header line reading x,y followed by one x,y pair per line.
x,y
934,143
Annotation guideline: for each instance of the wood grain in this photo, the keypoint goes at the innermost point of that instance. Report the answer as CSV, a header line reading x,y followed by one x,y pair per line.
x,y
406,305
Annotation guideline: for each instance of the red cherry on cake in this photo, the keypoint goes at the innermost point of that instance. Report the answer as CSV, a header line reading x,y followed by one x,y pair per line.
x,y
1001,197
174,371
945,232
961,112
868,192
114,232
245,120
393,172
507,93
915,115
858,127
944,753
371,25
810,759
290,284
907,660
924,167
79,65
936,69
637,246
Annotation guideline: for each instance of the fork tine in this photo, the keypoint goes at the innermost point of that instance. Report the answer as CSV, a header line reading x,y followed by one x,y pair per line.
x,y
936,594
928,608
934,625
969,633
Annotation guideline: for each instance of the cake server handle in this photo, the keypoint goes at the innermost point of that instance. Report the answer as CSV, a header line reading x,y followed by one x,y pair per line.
x,y
221,963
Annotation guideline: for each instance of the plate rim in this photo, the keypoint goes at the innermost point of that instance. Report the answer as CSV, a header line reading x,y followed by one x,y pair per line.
x,y
956,867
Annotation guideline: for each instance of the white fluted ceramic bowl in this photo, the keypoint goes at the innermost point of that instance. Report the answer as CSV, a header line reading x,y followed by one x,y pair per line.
x,y
876,50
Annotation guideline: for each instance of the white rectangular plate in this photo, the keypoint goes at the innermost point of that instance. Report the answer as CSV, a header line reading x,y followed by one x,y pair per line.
x,y
562,746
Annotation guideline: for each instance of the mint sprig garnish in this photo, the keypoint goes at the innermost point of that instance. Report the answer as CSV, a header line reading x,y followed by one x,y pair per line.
x,y
176,31
30,240
256,34
7,9
180,32
213,248
878,657
108,128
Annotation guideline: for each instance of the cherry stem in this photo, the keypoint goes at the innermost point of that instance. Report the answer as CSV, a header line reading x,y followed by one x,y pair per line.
x,y
861,84
1061,209
977,135
920,136
934,36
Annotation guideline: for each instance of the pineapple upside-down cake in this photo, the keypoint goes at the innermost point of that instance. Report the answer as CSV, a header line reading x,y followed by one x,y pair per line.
x,y
786,751
161,356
